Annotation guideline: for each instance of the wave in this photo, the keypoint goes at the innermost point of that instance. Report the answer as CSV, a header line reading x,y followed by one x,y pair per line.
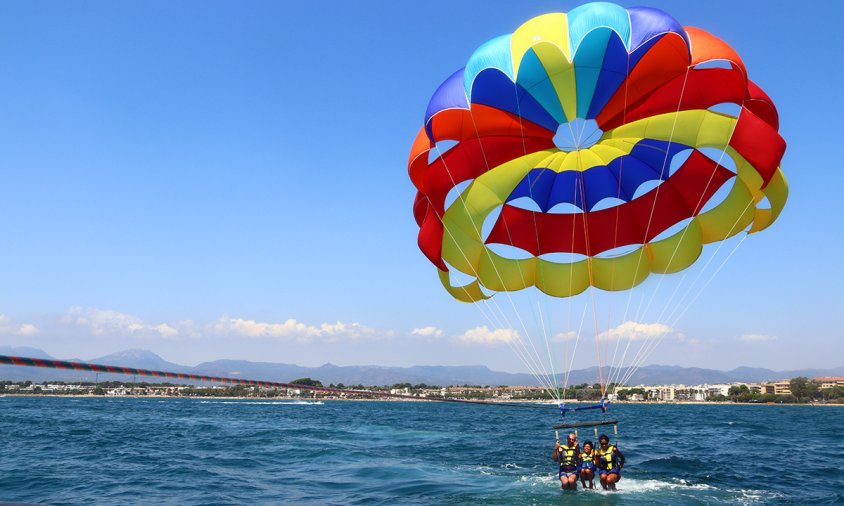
x,y
633,487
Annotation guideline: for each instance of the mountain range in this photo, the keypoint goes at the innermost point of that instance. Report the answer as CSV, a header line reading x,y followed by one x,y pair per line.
x,y
384,375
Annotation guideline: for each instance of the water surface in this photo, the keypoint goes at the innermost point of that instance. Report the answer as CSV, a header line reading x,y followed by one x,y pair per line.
x,y
189,451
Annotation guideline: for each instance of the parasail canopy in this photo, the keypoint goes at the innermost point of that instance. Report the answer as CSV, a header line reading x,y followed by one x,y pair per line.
x,y
642,196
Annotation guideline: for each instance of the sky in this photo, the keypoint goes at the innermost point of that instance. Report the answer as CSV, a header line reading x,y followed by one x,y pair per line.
x,y
213,180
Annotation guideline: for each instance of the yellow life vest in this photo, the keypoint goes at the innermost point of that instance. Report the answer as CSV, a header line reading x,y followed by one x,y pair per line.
x,y
607,457
568,456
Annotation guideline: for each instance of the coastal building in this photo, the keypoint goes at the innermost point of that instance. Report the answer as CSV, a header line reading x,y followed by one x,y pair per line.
x,y
830,382
663,392
776,387
720,389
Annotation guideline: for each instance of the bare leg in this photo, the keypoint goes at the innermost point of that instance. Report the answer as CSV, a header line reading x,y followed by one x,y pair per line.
x,y
612,478
587,475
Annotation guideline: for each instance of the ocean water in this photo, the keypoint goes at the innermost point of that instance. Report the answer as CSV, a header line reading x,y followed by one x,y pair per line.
x,y
191,451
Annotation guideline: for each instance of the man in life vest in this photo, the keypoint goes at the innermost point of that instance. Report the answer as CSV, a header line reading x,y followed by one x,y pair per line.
x,y
587,465
610,462
568,456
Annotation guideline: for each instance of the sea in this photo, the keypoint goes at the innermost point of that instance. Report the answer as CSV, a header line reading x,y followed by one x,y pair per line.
x,y
61,450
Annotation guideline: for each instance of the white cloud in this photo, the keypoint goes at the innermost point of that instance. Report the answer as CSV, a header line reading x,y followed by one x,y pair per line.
x,y
166,330
564,336
635,331
102,322
293,329
24,329
755,337
108,322
27,329
431,332
483,335
336,331
251,328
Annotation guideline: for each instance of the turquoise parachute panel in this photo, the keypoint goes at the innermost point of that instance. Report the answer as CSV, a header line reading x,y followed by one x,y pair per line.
x,y
587,67
534,78
588,17
492,54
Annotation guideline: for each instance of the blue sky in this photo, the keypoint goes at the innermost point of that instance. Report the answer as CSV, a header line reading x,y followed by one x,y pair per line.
x,y
228,180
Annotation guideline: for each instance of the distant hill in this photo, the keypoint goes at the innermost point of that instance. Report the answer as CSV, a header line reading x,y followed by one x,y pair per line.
x,y
139,359
24,351
380,375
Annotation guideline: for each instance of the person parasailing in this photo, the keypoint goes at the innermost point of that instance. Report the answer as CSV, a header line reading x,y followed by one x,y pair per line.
x,y
568,456
610,462
587,465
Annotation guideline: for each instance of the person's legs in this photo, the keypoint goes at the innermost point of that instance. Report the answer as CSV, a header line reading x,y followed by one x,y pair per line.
x,y
612,478
585,475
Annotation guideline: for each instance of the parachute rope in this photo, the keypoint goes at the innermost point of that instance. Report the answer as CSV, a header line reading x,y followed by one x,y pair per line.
x,y
650,351
647,349
113,369
523,354
519,353
543,377
615,228
656,196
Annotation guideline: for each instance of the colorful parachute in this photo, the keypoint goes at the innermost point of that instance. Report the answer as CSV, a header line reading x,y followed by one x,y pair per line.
x,y
657,92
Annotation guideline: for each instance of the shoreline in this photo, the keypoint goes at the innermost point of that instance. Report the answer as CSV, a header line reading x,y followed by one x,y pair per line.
x,y
312,399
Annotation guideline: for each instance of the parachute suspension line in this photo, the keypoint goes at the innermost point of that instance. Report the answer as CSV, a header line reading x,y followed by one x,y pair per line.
x,y
662,170
656,190
720,243
697,295
576,340
498,326
613,367
570,363
648,348
495,325
619,367
706,266
548,349
698,206
686,308
539,251
112,369
649,351
598,344
532,368
536,358
591,280
694,299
